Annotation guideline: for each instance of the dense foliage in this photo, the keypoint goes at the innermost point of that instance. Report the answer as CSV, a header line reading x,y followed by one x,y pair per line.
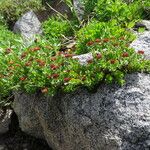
x,y
11,10
44,67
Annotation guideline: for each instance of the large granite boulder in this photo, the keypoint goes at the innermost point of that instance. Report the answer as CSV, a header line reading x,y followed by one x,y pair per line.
x,y
28,26
5,120
112,118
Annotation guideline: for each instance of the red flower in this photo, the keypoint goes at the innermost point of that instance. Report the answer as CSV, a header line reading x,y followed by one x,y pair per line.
x,y
27,64
8,50
98,56
68,55
23,55
98,40
53,58
141,52
89,43
106,40
40,62
23,78
44,90
54,67
112,61
54,76
89,61
67,79
125,54
18,65
35,49
122,38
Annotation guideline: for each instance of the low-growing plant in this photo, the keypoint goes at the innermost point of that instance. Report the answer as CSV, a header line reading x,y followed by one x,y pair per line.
x,y
102,30
56,27
9,39
107,10
42,68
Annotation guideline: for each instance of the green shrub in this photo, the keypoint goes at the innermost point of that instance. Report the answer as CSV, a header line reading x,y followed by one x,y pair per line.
x,y
100,30
107,10
56,27
42,68
9,39
11,10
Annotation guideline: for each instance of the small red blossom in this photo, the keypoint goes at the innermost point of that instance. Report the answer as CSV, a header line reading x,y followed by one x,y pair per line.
x,y
18,65
55,76
54,67
141,52
35,49
98,40
105,40
112,61
27,64
40,62
53,58
89,43
122,38
125,54
23,55
89,61
23,78
68,55
44,90
98,56
8,50
67,79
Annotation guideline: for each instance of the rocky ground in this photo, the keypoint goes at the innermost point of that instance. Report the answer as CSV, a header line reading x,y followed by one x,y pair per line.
x,y
15,139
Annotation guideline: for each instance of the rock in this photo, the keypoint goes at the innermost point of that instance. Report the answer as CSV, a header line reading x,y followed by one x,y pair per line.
x,y
79,8
28,26
142,43
84,58
114,117
5,120
143,24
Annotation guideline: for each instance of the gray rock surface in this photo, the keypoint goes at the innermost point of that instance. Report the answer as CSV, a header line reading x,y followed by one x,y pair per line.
x,y
79,8
142,43
144,24
112,118
5,120
83,59
28,26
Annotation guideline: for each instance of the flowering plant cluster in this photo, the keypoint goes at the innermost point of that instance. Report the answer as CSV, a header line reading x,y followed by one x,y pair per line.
x,y
48,66
43,68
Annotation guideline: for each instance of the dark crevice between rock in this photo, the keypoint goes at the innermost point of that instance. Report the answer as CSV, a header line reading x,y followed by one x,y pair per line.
x,y
15,139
